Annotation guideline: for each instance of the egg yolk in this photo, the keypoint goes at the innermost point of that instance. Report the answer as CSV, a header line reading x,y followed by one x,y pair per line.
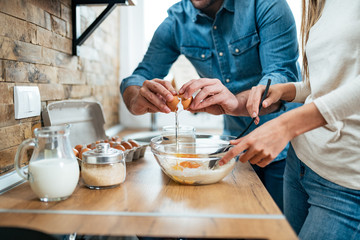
x,y
189,164
186,164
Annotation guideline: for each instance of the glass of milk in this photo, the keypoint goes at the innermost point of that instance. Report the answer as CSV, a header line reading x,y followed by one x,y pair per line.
x,y
53,171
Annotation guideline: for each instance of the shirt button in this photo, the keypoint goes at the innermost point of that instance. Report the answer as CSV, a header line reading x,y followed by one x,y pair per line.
x,y
227,80
215,27
202,55
237,50
221,54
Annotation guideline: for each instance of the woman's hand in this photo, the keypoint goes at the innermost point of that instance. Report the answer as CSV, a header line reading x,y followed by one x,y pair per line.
x,y
264,143
274,95
212,97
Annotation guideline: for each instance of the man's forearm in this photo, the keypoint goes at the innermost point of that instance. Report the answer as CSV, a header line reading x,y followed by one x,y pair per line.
x,y
129,94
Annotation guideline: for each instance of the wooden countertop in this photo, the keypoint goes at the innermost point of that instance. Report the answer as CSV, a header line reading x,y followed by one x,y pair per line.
x,y
148,203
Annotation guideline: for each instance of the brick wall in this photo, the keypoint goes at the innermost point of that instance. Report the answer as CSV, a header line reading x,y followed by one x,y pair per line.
x,y
35,50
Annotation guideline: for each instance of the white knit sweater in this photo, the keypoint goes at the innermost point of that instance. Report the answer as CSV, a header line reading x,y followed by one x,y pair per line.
x,y
333,52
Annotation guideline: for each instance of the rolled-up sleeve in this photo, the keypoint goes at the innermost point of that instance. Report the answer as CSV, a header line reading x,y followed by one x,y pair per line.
x,y
302,92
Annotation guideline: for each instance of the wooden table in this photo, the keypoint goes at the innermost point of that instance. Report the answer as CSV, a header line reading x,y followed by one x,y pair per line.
x,y
148,203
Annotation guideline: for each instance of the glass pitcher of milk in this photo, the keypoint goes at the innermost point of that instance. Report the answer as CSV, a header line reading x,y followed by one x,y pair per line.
x,y
53,170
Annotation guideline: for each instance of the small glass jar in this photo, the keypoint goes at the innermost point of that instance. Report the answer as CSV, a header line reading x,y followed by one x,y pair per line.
x,y
173,137
184,133
103,167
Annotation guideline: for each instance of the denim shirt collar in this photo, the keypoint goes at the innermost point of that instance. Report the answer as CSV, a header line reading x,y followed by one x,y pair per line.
x,y
196,13
229,5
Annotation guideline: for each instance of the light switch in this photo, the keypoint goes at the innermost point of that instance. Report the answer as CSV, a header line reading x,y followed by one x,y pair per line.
x,y
27,101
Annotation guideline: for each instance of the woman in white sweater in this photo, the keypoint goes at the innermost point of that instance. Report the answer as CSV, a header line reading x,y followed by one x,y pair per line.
x,y
322,176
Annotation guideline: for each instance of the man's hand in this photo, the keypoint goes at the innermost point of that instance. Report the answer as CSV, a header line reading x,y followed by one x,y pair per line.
x,y
213,97
151,97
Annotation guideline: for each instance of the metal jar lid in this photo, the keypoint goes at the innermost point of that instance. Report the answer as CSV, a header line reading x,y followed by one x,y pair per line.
x,y
103,154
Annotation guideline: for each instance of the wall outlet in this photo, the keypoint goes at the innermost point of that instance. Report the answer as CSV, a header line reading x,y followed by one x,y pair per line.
x,y
27,101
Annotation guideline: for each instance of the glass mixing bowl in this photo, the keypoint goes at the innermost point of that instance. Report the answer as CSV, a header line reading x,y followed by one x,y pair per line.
x,y
187,160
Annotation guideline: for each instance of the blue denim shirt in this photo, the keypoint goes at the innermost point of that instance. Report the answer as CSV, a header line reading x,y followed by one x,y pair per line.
x,y
248,42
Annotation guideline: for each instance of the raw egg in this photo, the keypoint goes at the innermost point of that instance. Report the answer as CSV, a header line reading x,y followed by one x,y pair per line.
x,y
91,145
186,164
82,151
126,144
112,143
118,146
116,139
76,152
79,147
133,143
190,164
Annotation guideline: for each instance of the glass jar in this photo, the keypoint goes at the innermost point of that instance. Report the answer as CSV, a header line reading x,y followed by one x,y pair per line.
x,y
173,136
103,167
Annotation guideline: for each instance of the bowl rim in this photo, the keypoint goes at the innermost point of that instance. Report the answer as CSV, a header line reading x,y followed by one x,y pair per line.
x,y
154,142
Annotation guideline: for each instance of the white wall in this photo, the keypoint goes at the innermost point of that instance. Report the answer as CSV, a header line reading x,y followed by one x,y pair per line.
x,y
132,49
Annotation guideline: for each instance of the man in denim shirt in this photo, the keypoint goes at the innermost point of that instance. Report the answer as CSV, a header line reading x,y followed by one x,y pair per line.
x,y
238,44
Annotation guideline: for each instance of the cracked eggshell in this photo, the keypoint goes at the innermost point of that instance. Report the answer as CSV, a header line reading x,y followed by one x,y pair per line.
x,y
173,104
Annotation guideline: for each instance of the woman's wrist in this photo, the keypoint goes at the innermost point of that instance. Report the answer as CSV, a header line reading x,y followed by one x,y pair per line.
x,y
288,92
302,119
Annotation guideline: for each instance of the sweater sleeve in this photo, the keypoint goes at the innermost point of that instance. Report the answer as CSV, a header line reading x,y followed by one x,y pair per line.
x,y
302,91
341,102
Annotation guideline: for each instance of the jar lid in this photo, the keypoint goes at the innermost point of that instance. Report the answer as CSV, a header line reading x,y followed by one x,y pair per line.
x,y
103,154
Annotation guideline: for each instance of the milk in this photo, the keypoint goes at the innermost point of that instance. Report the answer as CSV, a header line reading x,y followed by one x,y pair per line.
x,y
54,178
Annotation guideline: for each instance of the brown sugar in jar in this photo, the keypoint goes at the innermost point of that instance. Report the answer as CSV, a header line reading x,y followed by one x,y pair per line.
x,y
103,167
